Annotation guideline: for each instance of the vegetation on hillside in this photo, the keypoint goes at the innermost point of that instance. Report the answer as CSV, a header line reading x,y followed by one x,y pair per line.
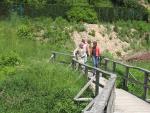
x,y
82,14
28,83
134,32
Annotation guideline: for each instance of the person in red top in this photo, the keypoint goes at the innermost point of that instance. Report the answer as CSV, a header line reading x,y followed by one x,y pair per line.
x,y
95,54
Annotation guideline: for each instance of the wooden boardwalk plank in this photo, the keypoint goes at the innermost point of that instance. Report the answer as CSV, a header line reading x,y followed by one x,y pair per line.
x,y
128,103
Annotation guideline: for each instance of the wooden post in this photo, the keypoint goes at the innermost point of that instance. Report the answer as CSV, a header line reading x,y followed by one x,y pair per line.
x,y
106,63
114,67
100,60
86,71
79,66
125,80
73,64
145,85
97,83
54,56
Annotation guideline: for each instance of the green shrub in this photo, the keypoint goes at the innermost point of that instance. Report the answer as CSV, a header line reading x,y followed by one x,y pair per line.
x,y
118,53
10,59
57,35
92,33
82,14
41,89
61,23
116,29
131,3
80,27
25,32
107,54
128,3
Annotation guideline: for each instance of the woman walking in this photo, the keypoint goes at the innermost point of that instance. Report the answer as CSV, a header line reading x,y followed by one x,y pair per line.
x,y
95,54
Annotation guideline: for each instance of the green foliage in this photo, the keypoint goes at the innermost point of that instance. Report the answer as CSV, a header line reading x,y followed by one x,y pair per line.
x,y
35,3
131,3
128,3
79,27
102,3
58,31
82,14
25,31
107,54
116,29
28,83
92,33
133,32
10,59
38,89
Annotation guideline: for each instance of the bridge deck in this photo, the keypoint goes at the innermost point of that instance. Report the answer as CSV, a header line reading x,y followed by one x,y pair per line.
x,y
125,102
128,103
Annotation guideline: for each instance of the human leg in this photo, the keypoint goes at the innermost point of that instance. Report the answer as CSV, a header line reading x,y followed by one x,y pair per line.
x,y
97,61
94,61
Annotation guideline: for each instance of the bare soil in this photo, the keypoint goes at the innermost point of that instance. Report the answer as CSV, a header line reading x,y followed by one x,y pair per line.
x,y
139,56
107,40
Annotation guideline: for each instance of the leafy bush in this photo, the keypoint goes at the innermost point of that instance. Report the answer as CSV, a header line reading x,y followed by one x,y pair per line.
x,y
92,33
82,14
25,32
80,27
40,89
128,3
118,53
57,35
116,29
107,54
131,3
56,31
61,23
10,59
133,33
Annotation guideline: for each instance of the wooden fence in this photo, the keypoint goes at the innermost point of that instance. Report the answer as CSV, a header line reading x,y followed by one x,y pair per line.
x,y
127,74
104,101
108,14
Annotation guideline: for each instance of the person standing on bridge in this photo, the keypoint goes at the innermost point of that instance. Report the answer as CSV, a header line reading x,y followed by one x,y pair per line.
x,y
89,47
95,54
85,49
80,54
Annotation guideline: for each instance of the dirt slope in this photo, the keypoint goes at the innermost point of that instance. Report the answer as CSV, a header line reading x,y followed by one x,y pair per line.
x,y
139,56
107,40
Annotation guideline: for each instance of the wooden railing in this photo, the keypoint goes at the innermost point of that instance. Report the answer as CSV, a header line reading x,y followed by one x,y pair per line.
x,y
128,76
103,101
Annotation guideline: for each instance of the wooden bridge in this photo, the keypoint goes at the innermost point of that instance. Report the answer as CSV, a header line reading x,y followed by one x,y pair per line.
x,y
109,99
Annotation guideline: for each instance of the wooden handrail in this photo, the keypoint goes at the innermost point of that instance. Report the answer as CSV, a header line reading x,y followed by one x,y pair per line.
x,y
94,68
126,78
126,65
117,62
61,53
101,101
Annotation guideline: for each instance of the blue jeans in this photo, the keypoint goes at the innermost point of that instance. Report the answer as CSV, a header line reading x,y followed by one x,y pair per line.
x,y
95,61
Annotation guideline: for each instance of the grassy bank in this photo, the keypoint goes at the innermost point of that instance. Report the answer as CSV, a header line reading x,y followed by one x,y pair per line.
x,y
28,83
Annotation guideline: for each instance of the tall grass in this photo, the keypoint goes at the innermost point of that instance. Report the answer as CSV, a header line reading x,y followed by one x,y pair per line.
x,y
32,85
